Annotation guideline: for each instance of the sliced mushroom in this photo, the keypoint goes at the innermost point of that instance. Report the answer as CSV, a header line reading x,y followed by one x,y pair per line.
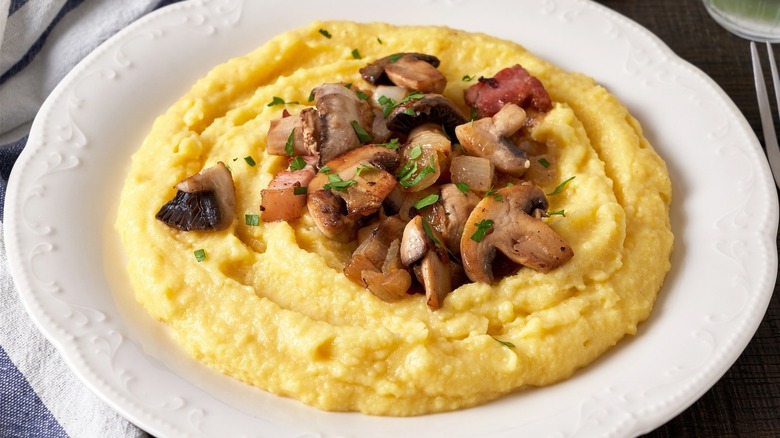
x,y
436,276
357,183
376,264
458,205
338,107
414,74
433,108
509,224
205,201
374,72
414,242
488,138
304,128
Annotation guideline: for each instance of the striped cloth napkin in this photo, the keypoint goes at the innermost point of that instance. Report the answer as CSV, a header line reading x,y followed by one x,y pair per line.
x,y
40,42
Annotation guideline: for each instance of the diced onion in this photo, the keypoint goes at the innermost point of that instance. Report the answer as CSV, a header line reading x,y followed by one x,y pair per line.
x,y
476,172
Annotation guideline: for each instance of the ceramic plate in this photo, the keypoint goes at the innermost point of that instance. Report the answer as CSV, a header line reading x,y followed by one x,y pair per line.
x,y
69,269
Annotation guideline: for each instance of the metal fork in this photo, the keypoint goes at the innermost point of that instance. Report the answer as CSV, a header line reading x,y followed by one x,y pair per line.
x,y
767,121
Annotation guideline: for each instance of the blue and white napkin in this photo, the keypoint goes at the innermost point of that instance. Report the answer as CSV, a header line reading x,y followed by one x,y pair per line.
x,y
40,42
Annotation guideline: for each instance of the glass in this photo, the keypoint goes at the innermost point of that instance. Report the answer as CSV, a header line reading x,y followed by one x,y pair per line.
x,y
752,19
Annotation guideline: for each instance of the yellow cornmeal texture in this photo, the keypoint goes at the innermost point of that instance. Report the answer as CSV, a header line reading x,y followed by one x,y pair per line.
x,y
270,305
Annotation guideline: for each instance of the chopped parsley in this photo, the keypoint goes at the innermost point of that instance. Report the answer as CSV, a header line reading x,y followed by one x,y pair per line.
x,y
325,169
463,187
467,78
504,343
336,183
279,101
361,95
482,228
288,145
395,57
392,144
311,95
406,182
560,187
388,104
250,161
356,54
325,33
297,163
362,168
544,163
415,152
300,190
252,220
429,232
557,212
379,40
200,255
426,201
493,192
361,133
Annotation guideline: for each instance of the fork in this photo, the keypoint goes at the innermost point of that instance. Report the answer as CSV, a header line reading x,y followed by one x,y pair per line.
x,y
767,122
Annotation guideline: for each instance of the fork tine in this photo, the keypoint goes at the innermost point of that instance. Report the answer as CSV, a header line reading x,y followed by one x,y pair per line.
x,y
767,122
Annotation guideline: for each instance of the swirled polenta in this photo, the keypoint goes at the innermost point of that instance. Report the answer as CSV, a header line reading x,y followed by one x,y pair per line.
x,y
270,305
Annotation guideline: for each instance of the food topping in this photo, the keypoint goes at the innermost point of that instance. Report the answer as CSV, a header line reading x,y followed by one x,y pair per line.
x,y
432,197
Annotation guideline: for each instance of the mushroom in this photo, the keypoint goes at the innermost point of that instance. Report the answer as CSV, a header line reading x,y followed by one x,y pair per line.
x,y
414,74
509,223
205,201
355,185
376,263
458,205
436,276
338,107
488,138
434,270
433,108
304,128
374,72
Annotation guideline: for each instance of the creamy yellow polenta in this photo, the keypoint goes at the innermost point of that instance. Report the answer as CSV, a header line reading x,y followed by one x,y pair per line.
x,y
270,304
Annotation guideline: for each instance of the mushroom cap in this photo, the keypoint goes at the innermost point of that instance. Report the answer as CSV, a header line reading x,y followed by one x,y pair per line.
x,y
205,201
415,74
515,232
488,138
433,108
338,107
374,72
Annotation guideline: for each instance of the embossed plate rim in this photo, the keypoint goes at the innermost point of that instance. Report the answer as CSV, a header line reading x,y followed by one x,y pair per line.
x,y
75,304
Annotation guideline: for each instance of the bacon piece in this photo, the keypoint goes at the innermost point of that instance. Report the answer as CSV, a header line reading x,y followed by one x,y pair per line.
x,y
279,201
510,85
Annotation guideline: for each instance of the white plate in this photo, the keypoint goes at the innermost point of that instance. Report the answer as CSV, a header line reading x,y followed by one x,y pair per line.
x,y
66,263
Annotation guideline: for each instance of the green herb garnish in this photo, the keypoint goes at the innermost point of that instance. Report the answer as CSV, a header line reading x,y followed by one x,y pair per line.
x,y
288,145
300,190
463,187
429,232
467,78
361,133
560,187
504,343
395,57
250,161
336,183
557,212
356,54
482,228
252,219
361,95
425,171
325,169
415,152
297,163
426,201
279,101
392,144
544,163
362,168
200,255
325,33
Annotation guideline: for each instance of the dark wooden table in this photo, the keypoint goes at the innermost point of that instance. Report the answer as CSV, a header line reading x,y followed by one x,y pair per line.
x,y
746,401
